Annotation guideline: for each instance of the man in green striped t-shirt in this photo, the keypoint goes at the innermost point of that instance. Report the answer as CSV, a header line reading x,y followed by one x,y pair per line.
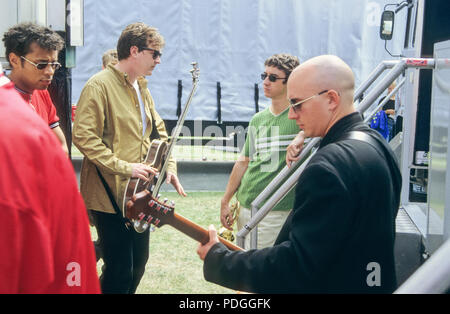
x,y
264,155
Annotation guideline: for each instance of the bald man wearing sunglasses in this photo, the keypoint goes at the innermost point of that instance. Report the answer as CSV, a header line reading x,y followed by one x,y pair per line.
x,y
32,51
270,132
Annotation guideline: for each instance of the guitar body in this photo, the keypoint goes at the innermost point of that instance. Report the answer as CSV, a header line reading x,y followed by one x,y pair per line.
x,y
155,158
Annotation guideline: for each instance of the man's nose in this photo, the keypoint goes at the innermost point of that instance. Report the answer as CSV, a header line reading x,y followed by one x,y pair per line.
x,y
292,114
49,70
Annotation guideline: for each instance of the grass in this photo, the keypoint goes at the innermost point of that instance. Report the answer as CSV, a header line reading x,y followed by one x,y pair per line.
x,y
174,266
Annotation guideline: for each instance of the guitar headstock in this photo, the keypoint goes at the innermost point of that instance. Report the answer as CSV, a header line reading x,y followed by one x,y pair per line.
x,y
195,72
143,210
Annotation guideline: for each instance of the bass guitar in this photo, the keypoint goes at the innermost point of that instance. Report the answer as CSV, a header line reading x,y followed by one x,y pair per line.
x,y
144,209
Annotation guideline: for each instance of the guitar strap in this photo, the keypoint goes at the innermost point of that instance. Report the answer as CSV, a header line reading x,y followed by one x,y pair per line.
x,y
155,133
360,136
389,156
111,198
364,137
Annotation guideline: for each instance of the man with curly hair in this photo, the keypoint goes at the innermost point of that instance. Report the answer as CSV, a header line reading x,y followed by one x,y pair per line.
x,y
263,157
32,52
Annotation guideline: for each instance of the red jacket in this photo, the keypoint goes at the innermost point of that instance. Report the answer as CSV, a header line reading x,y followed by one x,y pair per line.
x,y
45,239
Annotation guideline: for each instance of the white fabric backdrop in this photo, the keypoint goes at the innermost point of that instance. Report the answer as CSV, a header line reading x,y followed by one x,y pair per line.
x,y
230,39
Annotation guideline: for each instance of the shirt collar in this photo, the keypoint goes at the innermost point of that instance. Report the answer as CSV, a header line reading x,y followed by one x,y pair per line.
x,y
25,95
123,77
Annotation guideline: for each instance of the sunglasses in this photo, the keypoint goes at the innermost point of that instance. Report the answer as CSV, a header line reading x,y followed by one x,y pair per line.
x,y
156,53
43,65
272,77
296,106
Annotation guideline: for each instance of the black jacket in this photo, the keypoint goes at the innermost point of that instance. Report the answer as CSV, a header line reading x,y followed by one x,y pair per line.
x,y
340,235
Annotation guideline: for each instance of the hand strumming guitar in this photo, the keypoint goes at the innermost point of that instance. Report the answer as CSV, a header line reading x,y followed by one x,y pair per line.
x,y
142,171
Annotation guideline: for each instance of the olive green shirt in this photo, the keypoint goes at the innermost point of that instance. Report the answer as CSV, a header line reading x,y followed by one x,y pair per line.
x,y
108,131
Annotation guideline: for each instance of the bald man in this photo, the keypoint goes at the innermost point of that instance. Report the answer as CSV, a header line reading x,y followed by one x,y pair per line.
x,y
339,237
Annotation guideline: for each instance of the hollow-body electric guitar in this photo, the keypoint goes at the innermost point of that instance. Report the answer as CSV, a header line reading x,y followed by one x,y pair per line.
x,y
155,158
158,157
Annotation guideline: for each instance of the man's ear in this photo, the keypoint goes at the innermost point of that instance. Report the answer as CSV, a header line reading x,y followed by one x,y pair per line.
x,y
334,99
14,60
134,50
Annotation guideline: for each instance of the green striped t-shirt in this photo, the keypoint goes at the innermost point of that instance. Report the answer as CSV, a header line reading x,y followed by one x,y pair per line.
x,y
267,139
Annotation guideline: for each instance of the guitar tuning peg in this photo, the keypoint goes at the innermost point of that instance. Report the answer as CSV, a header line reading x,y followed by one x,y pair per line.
x,y
158,197
165,200
172,203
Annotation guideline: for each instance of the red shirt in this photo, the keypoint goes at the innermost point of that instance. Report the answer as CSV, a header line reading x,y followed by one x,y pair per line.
x,y
42,103
45,108
45,241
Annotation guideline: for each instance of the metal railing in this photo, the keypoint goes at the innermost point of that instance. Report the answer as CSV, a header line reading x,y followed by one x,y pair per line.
x,y
432,277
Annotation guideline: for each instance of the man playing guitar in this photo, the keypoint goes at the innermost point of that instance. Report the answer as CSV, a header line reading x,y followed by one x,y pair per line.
x,y
115,123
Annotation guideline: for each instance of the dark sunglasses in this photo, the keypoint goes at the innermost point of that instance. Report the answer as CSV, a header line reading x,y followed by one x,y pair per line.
x,y
272,77
43,65
156,53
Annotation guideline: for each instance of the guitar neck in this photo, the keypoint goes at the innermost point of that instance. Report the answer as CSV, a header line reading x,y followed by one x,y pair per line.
x,y
174,139
197,232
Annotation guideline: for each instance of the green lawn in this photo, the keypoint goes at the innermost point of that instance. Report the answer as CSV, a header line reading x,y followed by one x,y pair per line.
x,y
174,266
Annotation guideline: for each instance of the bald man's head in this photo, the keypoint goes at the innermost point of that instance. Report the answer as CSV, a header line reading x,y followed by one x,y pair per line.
x,y
331,83
328,72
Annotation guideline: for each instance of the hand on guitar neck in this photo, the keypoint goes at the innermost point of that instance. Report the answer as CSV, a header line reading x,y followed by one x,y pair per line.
x,y
203,249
